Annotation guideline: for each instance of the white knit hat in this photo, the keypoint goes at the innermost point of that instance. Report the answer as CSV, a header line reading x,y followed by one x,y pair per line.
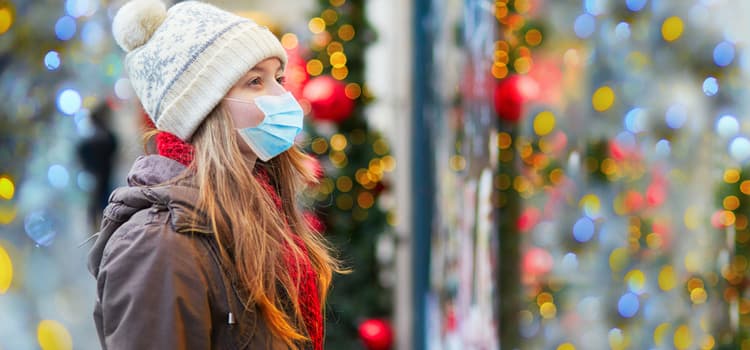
x,y
182,62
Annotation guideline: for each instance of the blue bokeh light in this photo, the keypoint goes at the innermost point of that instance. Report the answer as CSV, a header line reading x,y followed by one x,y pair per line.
x,y
635,5
69,101
739,149
584,25
628,305
723,54
52,60
625,140
635,120
663,148
58,176
727,126
65,28
92,34
622,31
676,116
594,7
583,229
710,86
40,227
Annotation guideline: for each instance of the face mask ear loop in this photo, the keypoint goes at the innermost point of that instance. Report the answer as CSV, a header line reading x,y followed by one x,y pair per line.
x,y
238,100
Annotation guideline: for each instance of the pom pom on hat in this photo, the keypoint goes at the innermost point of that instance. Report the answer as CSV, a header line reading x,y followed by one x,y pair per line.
x,y
136,21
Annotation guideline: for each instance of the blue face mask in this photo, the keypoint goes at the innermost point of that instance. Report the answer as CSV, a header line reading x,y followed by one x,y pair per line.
x,y
282,122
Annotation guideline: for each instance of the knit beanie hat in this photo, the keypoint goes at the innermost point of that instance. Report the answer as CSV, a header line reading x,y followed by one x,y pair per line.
x,y
181,62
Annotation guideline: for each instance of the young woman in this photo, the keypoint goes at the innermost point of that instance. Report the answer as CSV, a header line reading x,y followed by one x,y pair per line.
x,y
206,247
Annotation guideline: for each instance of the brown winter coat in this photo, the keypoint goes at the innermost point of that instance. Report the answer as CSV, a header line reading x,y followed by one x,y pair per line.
x,y
159,281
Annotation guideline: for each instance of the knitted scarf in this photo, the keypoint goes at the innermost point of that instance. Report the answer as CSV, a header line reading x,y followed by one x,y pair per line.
x,y
172,147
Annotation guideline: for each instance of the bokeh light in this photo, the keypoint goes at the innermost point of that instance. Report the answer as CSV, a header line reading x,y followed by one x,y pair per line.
x,y
628,305
92,34
739,149
69,101
622,31
65,28
81,8
52,335
58,176
723,54
583,229
635,5
584,25
676,116
40,227
123,89
672,28
6,270
603,98
52,60
544,123
6,19
710,86
7,188
635,120
727,126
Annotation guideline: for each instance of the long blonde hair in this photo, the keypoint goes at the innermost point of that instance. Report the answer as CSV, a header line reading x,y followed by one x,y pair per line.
x,y
252,236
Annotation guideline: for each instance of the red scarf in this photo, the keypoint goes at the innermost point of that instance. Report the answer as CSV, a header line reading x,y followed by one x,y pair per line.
x,y
172,147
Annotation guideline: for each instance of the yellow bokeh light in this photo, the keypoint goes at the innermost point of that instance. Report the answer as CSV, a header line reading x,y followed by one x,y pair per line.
x,y
533,37
6,270
618,259
548,310
334,47
316,25
522,65
338,142
616,339
340,73
365,200
330,16
590,204
636,280
337,3
708,342
6,20
683,338
672,28
344,184
353,91
346,32
314,67
52,335
660,332
544,123
504,140
698,296
7,213
338,59
731,176
344,201
731,202
499,70
566,346
319,145
603,98
667,278
457,163
544,298
289,41
522,6
7,188
745,187
389,163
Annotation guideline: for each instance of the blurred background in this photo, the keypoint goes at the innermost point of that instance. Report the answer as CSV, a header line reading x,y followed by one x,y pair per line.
x,y
510,174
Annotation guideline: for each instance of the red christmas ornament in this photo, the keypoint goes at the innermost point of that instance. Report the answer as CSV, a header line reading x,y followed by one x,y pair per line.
x,y
509,98
376,334
328,100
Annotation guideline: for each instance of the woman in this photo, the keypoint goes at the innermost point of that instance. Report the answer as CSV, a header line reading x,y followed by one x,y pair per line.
x,y
206,247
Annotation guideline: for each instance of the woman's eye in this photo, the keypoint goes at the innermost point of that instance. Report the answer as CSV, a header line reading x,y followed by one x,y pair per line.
x,y
256,81
281,80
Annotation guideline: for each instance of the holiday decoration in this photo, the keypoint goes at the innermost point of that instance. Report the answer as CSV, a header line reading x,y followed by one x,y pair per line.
x,y
376,334
327,97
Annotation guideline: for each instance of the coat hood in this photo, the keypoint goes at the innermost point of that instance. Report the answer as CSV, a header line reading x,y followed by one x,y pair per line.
x,y
154,182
